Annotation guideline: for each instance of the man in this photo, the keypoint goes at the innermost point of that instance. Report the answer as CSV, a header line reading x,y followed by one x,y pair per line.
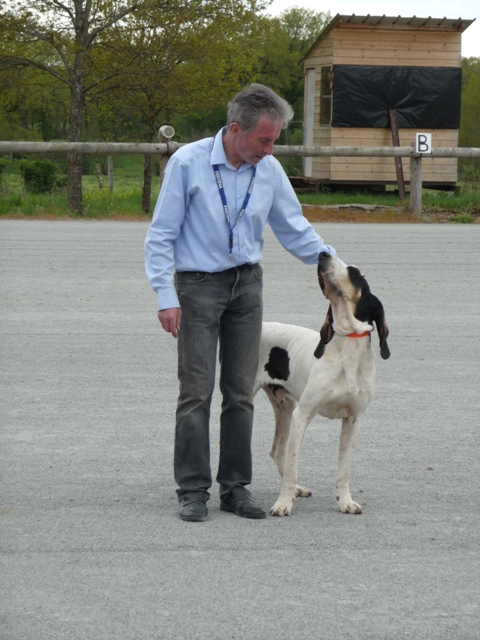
x,y
203,251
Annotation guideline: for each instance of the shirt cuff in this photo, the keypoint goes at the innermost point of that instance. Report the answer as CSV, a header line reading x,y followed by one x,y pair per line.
x,y
167,298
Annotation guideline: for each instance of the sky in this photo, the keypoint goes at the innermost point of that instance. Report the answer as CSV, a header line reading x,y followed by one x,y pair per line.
x,y
467,9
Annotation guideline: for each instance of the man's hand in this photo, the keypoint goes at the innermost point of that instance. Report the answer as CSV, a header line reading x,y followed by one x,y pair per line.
x,y
170,320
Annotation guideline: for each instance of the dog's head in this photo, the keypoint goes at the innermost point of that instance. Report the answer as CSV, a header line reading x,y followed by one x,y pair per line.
x,y
353,308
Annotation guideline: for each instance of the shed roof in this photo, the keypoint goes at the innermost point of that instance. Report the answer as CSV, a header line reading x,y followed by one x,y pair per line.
x,y
455,24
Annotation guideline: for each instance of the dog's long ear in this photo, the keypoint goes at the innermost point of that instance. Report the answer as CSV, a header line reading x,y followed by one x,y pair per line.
x,y
326,334
378,314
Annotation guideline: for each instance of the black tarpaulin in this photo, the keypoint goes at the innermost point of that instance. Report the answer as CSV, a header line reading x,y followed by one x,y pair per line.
x,y
424,97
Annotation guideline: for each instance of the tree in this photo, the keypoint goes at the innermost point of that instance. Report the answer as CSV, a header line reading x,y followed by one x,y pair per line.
x,y
287,40
31,106
63,39
83,45
186,64
469,135
470,115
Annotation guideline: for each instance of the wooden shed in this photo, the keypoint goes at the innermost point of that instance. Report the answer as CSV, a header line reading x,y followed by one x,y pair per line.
x,y
359,68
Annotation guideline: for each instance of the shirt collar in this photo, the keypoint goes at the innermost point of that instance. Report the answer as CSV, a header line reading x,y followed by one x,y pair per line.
x,y
218,153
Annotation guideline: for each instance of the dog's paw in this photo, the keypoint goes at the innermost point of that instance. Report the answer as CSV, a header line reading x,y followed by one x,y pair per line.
x,y
281,508
350,507
302,492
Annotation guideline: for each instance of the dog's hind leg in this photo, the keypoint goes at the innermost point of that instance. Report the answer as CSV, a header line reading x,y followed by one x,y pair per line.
x,y
348,438
283,406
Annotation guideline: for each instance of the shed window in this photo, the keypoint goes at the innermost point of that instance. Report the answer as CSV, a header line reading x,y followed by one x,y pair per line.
x,y
326,83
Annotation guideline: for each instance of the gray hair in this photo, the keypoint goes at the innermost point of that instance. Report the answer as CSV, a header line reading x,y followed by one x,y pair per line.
x,y
255,101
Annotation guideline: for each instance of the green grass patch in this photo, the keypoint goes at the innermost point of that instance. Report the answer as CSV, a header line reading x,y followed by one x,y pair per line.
x,y
125,200
465,203
97,204
464,200
463,218
387,199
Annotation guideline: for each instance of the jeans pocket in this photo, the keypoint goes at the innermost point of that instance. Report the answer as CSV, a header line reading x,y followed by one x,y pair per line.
x,y
258,271
191,276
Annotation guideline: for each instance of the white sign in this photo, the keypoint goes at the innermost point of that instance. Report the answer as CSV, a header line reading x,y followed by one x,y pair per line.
x,y
423,143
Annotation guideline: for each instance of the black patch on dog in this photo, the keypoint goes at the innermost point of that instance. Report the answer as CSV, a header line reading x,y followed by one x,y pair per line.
x,y
370,309
278,365
326,334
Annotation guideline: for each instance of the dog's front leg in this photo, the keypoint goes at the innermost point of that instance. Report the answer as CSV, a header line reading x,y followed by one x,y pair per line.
x,y
284,504
348,438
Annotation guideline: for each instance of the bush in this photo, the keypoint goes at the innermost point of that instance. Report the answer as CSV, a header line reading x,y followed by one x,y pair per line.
x,y
3,164
462,218
61,182
39,176
470,174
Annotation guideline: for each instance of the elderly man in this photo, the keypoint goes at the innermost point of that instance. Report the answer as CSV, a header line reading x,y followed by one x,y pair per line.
x,y
203,251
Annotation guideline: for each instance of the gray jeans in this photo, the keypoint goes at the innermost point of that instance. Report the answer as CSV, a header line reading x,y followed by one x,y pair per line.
x,y
222,309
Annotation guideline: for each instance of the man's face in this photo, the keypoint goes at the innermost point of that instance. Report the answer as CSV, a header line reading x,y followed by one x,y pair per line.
x,y
254,145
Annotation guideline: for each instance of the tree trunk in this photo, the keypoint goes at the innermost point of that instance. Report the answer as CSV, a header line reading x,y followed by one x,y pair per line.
x,y
75,200
147,183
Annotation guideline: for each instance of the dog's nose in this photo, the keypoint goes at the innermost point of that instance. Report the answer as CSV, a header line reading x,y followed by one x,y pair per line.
x,y
324,254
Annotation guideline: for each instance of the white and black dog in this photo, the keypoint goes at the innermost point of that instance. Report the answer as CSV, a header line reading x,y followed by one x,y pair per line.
x,y
334,377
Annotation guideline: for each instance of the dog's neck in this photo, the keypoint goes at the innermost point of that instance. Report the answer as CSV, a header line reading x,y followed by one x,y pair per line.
x,y
358,335
355,329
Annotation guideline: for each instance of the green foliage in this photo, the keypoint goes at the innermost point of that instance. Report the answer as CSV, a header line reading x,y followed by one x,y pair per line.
x,y
470,174
199,124
285,42
3,164
39,176
469,135
462,218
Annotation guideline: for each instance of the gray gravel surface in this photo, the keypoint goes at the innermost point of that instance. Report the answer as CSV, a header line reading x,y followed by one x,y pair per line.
x,y
91,545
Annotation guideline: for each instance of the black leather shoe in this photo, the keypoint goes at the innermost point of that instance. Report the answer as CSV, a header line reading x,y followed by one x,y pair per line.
x,y
243,506
193,511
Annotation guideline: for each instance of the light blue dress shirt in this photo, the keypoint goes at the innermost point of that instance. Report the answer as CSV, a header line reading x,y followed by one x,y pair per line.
x,y
189,230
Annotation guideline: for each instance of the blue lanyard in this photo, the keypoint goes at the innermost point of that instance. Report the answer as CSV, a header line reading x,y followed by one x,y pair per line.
x,y
221,190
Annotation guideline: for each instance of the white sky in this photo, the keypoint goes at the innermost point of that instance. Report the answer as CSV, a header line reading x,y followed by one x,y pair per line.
x,y
467,9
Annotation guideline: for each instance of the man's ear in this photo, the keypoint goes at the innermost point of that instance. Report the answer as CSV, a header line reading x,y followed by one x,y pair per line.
x,y
326,333
235,129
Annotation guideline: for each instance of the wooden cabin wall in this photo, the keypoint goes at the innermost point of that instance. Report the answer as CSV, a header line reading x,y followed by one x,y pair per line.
x,y
412,47
368,169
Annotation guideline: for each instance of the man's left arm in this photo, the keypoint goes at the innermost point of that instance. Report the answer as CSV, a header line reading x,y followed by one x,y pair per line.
x,y
289,225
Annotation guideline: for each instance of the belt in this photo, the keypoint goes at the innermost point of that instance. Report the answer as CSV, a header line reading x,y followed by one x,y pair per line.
x,y
241,267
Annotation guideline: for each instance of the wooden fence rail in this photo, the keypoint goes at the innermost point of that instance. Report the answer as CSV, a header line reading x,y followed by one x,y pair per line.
x,y
168,148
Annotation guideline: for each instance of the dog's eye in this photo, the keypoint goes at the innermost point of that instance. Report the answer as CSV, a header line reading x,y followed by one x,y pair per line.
x,y
336,291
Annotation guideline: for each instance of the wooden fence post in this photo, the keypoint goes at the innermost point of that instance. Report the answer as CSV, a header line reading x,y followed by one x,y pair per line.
x,y
110,172
398,161
98,169
163,163
416,184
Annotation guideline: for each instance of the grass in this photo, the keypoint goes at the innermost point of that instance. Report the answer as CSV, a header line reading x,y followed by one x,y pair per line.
x,y
388,199
450,201
125,200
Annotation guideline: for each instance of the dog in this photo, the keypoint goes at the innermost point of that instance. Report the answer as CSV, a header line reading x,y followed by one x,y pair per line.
x,y
333,377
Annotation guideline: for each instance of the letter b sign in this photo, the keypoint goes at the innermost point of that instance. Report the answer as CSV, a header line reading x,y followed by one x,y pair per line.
x,y
423,143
